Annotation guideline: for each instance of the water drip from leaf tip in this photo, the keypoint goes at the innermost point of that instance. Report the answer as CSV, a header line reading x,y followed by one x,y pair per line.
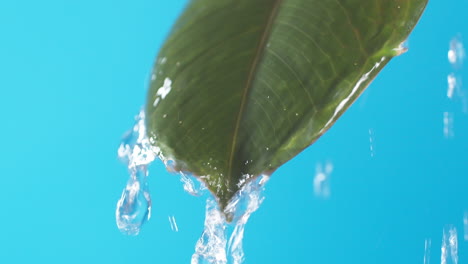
x,y
214,247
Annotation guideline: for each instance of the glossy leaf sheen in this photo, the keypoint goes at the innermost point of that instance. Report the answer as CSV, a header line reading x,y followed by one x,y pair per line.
x,y
242,86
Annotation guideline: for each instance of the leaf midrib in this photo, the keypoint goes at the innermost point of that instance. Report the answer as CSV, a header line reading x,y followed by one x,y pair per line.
x,y
255,62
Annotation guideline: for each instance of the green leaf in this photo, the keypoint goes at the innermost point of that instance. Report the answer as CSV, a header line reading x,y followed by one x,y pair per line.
x,y
242,86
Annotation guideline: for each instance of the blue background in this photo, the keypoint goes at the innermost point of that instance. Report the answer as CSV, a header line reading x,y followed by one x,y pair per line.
x,y
73,74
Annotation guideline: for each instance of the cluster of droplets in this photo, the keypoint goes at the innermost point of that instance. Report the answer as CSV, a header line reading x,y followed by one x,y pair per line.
x,y
455,92
214,247
135,151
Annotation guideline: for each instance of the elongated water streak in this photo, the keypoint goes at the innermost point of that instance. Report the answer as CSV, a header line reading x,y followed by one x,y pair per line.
x,y
449,248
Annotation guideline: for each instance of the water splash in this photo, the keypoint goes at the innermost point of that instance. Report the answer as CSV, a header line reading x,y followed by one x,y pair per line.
x,y
213,247
449,246
136,151
427,251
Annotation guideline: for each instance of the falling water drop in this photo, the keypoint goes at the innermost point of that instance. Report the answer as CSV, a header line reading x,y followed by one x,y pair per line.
x,y
136,151
456,53
322,180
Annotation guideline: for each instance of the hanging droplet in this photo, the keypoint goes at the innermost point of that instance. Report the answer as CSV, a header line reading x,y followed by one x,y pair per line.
x,y
134,206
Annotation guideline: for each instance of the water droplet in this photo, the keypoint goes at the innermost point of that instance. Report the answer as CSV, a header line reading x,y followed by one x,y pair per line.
x,y
452,84
163,91
153,77
456,53
136,151
163,60
180,122
165,115
134,206
322,180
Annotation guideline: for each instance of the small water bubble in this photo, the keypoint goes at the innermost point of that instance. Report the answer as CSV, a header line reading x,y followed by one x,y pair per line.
x,y
165,115
297,114
180,122
163,60
153,77
267,148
